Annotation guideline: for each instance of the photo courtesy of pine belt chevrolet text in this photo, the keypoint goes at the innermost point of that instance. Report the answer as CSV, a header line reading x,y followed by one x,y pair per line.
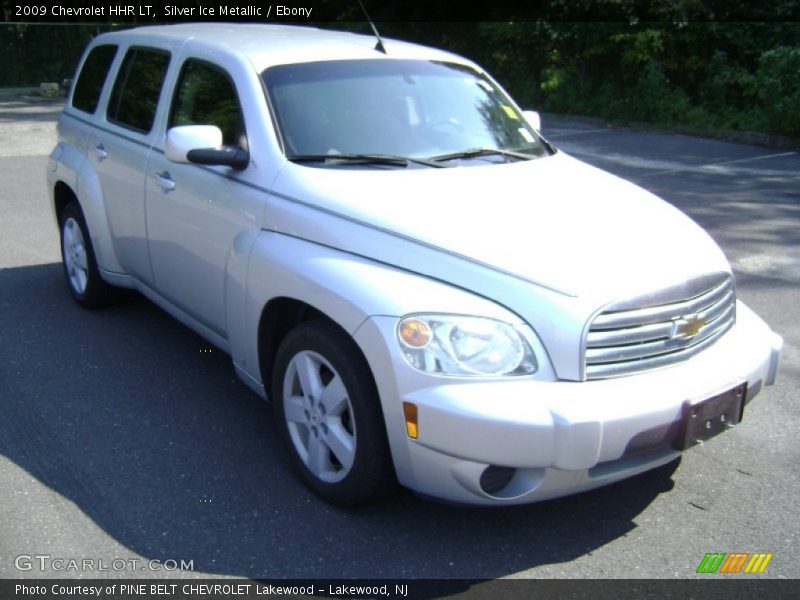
x,y
427,291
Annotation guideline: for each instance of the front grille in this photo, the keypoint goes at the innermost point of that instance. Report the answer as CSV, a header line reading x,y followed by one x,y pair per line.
x,y
660,329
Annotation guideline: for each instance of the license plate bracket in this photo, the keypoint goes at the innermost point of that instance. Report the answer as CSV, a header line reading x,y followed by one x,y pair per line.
x,y
710,417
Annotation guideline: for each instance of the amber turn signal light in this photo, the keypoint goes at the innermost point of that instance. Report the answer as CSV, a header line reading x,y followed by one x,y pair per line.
x,y
415,333
410,412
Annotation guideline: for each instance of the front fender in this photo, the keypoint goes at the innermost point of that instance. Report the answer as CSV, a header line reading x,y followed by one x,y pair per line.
x,y
346,288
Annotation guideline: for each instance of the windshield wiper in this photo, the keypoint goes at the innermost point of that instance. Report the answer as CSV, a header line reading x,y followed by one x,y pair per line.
x,y
375,159
472,152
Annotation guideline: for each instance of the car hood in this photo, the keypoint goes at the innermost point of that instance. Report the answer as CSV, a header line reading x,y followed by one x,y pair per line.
x,y
554,221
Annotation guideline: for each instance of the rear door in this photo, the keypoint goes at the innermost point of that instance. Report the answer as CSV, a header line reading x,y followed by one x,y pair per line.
x,y
86,95
119,150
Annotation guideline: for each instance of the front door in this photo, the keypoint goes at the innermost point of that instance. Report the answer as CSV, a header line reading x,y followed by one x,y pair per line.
x,y
197,214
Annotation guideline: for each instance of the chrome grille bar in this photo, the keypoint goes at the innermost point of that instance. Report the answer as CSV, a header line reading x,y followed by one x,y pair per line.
x,y
655,314
639,338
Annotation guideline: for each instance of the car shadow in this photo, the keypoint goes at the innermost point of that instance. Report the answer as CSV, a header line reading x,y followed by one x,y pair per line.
x,y
146,428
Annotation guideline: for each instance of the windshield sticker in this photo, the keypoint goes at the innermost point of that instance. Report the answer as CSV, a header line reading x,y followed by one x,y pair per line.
x,y
510,112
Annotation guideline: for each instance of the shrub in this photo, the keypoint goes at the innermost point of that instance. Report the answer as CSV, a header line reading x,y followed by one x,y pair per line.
x,y
778,79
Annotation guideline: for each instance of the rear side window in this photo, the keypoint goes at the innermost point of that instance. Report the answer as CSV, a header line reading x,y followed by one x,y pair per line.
x,y
137,89
92,78
205,95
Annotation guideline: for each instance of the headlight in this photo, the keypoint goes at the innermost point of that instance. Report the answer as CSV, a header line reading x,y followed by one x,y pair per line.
x,y
471,346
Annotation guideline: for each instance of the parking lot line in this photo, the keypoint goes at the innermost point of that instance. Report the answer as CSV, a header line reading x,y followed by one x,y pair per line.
x,y
571,133
717,164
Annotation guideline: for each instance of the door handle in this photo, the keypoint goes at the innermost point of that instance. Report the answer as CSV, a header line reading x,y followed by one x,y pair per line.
x,y
164,180
100,151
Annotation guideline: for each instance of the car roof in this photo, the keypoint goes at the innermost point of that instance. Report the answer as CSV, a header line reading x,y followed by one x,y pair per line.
x,y
266,45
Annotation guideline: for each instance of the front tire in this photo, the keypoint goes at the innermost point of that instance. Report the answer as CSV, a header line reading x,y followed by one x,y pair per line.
x,y
80,267
329,415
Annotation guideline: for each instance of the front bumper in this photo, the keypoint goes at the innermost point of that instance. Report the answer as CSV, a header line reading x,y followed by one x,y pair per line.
x,y
550,438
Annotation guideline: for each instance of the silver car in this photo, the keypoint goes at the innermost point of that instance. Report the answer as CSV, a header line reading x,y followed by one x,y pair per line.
x,y
427,290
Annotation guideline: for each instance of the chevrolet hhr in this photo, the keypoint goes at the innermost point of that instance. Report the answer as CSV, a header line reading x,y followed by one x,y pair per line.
x,y
428,291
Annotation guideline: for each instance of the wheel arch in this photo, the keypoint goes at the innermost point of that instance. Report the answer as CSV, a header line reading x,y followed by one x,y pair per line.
x,y
63,194
279,316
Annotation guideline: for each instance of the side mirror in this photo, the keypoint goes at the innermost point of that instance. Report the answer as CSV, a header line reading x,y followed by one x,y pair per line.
x,y
533,119
202,144
184,139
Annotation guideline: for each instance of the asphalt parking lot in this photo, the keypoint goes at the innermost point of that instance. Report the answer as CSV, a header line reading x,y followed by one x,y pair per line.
x,y
121,438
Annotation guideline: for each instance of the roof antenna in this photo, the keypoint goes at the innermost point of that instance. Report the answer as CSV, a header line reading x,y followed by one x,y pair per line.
x,y
379,46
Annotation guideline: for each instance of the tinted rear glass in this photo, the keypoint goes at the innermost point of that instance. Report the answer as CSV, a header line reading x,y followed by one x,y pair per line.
x,y
92,77
137,89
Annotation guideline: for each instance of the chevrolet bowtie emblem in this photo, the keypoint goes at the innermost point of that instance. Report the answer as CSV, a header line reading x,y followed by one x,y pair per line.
x,y
688,326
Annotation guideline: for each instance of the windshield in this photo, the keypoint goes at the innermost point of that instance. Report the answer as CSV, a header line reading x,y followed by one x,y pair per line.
x,y
412,108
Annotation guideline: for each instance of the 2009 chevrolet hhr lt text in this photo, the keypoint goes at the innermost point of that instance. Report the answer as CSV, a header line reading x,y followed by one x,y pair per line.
x,y
426,289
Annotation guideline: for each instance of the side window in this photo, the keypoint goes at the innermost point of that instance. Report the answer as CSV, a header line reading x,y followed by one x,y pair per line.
x,y
205,95
137,89
92,78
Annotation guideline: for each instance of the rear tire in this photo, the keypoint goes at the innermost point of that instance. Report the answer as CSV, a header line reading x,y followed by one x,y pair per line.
x,y
80,267
329,415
